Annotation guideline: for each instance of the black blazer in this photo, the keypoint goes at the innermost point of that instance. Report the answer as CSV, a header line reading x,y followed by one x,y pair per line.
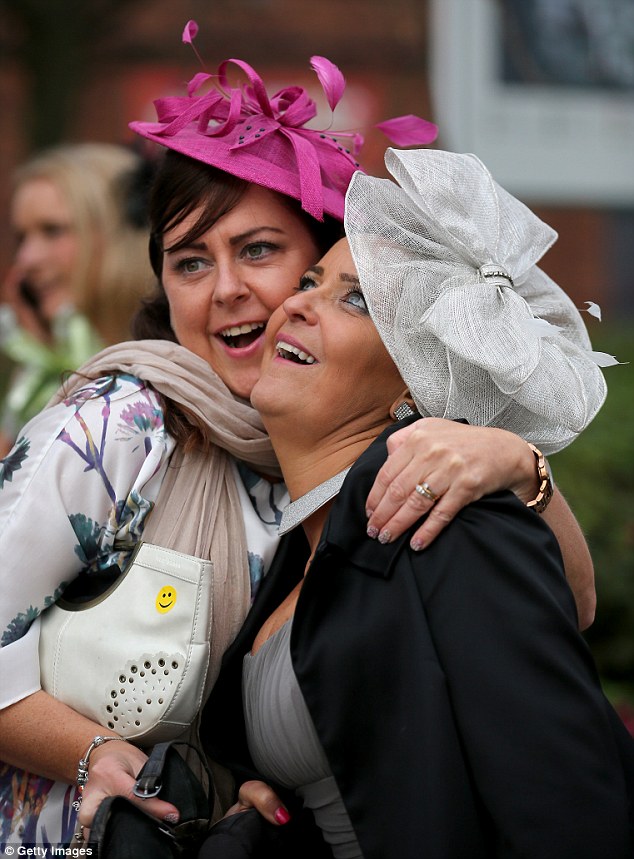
x,y
457,703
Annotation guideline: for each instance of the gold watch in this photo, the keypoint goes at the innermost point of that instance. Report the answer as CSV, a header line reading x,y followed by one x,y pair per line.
x,y
545,491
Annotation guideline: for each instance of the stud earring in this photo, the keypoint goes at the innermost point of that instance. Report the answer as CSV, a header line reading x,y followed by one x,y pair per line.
x,y
403,410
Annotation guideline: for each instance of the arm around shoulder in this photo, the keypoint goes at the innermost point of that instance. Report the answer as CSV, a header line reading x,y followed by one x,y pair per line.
x,y
462,463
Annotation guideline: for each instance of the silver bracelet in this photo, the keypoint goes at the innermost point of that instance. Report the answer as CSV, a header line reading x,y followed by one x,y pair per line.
x,y
82,775
82,767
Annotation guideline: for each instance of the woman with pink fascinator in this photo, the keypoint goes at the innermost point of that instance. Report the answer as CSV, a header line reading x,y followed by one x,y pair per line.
x,y
155,441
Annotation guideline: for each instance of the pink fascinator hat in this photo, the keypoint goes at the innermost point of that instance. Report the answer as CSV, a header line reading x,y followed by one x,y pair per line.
x,y
264,139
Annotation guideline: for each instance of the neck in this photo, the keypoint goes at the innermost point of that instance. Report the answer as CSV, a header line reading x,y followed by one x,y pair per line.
x,y
307,462
305,468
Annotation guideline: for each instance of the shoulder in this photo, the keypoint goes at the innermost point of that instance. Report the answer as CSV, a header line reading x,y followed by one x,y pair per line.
x,y
95,424
109,399
498,524
110,386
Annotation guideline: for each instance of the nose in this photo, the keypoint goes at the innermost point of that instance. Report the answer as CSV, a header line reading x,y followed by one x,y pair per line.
x,y
230,287
301,306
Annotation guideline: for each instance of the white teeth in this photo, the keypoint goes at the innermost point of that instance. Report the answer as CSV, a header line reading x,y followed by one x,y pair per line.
x,y
241,329
293,350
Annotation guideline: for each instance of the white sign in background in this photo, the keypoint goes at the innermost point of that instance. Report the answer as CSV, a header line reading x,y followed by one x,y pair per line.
x,y
556,142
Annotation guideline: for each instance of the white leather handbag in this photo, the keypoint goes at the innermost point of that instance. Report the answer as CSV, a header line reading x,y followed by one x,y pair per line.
x,y
134,659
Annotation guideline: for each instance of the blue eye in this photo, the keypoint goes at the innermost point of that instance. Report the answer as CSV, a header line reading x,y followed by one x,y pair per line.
x,y
305,283
356,299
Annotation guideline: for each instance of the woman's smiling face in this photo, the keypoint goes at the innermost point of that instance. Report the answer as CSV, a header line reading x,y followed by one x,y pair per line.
x,y
224,286
324,359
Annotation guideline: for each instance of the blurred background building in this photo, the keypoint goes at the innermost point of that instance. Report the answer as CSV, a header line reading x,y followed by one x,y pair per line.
x,y
541,90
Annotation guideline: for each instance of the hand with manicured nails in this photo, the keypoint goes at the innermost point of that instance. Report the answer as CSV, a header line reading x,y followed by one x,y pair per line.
x,y
258,795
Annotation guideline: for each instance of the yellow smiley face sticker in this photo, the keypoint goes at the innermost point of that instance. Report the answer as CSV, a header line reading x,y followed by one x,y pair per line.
x,y
166,599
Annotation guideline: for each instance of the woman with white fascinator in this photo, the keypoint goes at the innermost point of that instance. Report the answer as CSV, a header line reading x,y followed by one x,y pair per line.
x,y
439,704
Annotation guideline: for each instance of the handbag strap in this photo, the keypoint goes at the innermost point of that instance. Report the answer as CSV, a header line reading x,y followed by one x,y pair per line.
x,y
150,780
151,777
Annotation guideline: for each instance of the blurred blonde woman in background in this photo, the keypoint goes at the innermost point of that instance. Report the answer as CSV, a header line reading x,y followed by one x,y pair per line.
x,y
80,267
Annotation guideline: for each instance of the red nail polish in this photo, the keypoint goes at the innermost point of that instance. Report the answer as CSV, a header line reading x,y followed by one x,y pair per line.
x,y
282,815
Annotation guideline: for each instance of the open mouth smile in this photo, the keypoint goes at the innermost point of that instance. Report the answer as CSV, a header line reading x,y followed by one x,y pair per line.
x,y
241,336
293,353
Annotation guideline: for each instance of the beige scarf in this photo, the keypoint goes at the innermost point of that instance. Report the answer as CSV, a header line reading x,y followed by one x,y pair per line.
x,y
198,509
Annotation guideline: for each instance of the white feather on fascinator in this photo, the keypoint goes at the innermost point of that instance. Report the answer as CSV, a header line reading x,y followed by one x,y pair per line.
x,y
447,264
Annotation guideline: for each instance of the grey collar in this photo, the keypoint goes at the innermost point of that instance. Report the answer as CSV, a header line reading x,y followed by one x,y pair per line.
x,y
305,506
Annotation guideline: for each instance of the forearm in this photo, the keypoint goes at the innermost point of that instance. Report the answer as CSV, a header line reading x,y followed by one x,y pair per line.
x,y
578,564
576,555
44,736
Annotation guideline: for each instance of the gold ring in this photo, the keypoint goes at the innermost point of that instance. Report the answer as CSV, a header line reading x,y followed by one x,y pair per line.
x,y
426,491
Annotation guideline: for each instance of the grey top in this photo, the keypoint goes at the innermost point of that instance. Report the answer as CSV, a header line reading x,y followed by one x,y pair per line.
x,y
284,744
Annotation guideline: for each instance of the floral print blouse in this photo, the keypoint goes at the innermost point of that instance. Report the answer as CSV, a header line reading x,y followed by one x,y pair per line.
x,y
75,492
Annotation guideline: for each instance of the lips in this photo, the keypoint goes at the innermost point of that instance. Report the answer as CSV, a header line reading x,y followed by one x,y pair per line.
x,y
291,352
241,336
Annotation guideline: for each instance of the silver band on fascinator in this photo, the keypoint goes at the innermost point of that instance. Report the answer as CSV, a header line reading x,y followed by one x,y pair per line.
x,y
447,264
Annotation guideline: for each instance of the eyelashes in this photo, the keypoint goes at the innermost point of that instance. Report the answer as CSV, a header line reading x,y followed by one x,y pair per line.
x,y
306,282
352,295
253,252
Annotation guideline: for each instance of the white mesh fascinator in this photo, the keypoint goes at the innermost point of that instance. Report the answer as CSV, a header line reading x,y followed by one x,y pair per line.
x,y
477,330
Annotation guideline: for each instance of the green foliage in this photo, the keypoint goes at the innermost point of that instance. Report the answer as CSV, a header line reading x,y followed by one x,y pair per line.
x,y
6,368
596,475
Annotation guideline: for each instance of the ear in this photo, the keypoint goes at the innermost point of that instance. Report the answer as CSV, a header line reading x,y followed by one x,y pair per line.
x,y
403,406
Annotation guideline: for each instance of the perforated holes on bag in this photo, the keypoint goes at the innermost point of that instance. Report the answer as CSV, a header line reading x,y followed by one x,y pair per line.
x,y
142,691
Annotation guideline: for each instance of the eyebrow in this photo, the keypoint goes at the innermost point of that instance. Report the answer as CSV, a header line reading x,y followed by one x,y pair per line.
x,y
199,245
236,240
176,248
347,278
